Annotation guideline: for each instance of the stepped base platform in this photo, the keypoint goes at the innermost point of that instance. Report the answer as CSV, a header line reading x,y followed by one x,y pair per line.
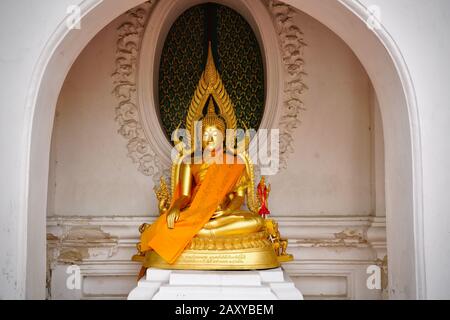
x,y
166,284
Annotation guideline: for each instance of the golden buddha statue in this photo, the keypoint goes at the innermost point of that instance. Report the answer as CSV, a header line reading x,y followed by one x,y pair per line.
x,y
202,224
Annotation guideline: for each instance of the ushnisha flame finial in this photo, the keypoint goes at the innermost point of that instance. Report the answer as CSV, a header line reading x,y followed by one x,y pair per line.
x,y
212,119
211,109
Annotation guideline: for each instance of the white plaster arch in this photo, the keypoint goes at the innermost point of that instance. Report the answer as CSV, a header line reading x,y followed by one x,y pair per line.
x,y
377,52
162,17
384,63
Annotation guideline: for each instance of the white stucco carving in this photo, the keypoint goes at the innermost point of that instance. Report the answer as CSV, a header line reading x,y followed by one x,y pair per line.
x,y
124,80
291,45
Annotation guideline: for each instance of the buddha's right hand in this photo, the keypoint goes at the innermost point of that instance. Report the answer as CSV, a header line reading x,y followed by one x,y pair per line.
x,y
172,216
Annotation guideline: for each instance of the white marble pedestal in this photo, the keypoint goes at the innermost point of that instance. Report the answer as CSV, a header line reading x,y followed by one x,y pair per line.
x,y
161,284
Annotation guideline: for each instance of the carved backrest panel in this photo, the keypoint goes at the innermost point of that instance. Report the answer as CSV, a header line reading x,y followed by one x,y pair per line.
x,y
237,57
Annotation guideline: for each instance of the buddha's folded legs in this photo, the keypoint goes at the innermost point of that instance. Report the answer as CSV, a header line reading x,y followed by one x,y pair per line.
x,y
241,222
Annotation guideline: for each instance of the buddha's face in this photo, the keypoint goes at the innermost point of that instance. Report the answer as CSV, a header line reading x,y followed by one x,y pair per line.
x,y
212,138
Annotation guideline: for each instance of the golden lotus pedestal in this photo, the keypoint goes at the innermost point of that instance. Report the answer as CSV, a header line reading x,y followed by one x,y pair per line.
x,y
244,259
240,252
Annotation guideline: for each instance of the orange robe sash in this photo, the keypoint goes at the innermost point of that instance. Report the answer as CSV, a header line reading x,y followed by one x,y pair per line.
x,y
170,243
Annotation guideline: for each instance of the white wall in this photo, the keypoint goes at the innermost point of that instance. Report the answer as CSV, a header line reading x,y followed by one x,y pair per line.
x,y
420,29
329,173
32,24
90,173
378,159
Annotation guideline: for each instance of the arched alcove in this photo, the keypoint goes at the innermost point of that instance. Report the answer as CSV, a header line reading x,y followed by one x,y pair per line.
x,y
183,59
380,57
164,14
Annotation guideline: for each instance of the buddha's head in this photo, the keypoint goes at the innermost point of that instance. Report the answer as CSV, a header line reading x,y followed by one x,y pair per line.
x,y
213,129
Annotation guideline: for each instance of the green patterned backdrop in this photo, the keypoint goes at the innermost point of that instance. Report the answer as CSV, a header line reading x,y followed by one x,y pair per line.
x,y
237,56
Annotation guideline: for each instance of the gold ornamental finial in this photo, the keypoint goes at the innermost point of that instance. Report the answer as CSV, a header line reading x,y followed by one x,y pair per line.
x,y
210,85
210,69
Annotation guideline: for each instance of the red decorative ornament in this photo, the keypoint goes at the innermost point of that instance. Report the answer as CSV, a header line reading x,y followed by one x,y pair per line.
x,y
263,195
